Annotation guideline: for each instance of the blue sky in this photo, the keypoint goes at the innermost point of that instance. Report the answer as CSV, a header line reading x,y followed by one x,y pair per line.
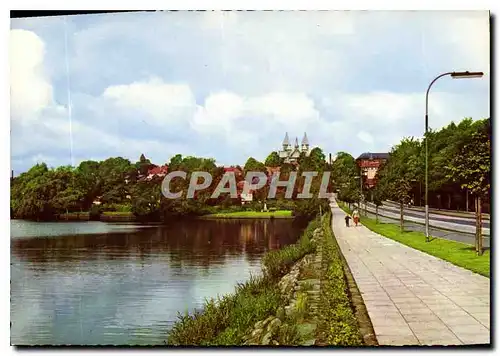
x,y
228,85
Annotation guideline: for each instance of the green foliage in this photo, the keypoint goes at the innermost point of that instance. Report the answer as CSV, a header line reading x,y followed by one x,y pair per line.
x,y
472,166
337,323
277,263
403,167
309,208
273,160
459,157
225,321
346,173
252,165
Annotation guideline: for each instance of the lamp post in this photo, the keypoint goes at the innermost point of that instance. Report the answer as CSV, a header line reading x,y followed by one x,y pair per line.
x,y
454,75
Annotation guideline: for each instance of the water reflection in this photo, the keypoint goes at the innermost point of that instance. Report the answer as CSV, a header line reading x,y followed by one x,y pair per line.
x,y
123,288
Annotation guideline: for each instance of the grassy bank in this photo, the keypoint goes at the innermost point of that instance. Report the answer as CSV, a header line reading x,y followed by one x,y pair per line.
x,y
279,214
459,254
225,321
80,216
337,323
117,216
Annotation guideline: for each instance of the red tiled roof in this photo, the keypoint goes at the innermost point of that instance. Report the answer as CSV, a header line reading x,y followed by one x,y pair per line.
x,y
236,170
158,170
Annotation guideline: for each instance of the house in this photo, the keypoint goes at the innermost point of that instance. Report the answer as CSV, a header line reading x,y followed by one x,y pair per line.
x,y
238,172
160,171
369,163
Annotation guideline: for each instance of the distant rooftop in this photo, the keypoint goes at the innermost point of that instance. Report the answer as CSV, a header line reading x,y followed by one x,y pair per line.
x,y
372,155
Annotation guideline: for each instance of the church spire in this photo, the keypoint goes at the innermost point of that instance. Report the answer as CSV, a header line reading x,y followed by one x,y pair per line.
x,y
305,141
286,141
296,142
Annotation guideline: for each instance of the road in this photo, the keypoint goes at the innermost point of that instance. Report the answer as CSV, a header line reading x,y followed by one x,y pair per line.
x,y
463,237
455,224
415,211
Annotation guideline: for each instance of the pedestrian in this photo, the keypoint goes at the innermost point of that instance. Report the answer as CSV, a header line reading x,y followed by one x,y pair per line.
x,y
347,218
355,216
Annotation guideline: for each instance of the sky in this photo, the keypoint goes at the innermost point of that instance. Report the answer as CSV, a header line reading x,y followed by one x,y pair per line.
x,y
228,85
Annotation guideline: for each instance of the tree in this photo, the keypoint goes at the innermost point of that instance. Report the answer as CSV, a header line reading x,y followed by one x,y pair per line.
x,y
146,200
273,160
472,169
252,165
175,162
401,170
378,198
88,182
143,165
346,173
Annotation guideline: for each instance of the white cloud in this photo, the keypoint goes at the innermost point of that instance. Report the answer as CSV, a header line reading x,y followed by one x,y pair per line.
x,y
230,84
246,122
365,137
164,102
30,91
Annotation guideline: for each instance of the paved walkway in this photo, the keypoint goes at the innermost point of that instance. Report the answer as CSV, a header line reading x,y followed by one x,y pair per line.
x,y
413,298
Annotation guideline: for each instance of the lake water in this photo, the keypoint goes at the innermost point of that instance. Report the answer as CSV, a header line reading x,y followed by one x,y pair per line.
x,y
95,283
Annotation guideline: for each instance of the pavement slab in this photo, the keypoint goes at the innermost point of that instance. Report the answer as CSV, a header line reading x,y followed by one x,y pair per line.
x,y
413,298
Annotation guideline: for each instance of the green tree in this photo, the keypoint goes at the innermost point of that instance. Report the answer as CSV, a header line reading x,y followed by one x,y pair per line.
x,y
402,169
471,168
273,160
345,174
252,165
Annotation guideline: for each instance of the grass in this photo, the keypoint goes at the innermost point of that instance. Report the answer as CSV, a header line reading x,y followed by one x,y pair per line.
x,y
117,213
337,323
457,253
252,215
226,321
74,216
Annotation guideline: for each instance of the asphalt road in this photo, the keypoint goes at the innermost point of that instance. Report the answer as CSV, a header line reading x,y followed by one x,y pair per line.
x,y
463,237
433,216
434,222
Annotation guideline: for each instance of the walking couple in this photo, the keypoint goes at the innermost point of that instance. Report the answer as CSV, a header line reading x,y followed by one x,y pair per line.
x,y
355,217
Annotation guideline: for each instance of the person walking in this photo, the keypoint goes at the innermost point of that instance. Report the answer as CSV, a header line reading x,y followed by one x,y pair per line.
x,y
347,218
355,215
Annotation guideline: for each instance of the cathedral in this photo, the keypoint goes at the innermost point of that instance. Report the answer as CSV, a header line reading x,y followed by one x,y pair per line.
x,y
291,154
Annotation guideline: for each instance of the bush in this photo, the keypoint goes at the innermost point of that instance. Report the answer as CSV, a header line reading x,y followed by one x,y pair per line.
x,y
225,321
277,263
337,324
95,212
309,208
122,208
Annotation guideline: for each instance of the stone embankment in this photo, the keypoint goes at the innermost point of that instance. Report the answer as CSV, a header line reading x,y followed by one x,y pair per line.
x,y
295,323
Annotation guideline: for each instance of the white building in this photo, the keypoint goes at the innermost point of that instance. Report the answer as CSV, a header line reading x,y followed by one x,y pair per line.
x,y
291,154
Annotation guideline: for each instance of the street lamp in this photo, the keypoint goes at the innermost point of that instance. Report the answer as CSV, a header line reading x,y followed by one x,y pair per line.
x,y
454,75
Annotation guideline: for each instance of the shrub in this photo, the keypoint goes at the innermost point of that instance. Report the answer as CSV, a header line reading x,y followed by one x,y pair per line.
x,y
225,321
278,262
337,323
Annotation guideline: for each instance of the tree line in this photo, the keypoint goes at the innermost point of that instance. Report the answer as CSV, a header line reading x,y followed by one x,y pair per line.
x,y
459,169
43,193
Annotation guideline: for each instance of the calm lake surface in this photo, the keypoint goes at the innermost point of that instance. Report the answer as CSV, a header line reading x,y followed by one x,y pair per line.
x,y
102,283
